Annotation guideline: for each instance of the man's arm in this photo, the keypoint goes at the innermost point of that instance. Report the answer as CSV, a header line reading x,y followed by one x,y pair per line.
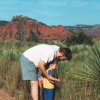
x,y
41,66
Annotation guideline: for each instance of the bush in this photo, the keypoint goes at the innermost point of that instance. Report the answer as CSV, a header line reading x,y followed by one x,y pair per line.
x,y
81,38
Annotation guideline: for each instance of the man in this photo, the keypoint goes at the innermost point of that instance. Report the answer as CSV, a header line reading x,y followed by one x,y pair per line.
x,y
36,58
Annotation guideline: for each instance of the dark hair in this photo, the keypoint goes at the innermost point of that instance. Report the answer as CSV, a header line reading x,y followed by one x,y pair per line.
x,y
67,52
52,62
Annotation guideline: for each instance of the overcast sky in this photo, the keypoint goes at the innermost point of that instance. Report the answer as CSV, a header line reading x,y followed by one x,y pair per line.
x,y
53,12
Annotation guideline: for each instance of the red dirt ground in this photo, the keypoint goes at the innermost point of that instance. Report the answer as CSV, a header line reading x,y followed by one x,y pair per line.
x,y
4,95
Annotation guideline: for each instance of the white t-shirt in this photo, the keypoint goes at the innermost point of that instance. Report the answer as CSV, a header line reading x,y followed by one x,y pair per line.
x,y
42,52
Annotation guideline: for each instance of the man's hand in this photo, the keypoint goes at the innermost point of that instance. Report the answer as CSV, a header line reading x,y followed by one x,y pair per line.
x,y
51,79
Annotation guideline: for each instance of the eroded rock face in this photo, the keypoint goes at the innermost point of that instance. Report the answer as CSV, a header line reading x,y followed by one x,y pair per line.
x,y
91,30
22,27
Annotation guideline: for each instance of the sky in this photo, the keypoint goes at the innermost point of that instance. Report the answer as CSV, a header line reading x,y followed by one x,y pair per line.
x,y
53,12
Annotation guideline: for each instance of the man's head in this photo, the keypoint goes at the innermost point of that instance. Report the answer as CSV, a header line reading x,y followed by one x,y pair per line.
x,y
64,54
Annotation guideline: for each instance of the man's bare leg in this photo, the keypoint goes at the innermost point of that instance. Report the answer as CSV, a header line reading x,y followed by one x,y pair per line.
x,y
34,90
40,88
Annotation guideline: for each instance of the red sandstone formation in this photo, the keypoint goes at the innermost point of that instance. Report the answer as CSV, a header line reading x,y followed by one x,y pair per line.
x,y
22,27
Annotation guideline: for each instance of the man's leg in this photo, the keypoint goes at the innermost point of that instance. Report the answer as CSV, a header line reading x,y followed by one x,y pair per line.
x,y
40,88
34,90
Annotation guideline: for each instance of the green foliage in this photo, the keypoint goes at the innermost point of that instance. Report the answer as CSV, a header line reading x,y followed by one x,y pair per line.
x,y
32,37
3,23
80,78
88,63
81,38
21,35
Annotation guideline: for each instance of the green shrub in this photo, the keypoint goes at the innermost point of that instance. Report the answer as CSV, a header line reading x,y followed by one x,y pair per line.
x,y
79,38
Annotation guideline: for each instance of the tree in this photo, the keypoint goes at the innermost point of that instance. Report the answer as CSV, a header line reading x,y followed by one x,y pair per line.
x,y
32,37
80,38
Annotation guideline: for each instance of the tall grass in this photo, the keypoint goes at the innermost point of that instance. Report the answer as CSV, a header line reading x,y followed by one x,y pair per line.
x,y
80,78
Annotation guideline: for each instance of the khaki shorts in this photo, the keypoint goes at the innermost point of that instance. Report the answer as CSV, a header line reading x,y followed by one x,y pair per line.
x,y
29,70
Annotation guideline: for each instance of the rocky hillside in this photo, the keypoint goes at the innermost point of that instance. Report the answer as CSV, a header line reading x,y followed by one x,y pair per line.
x,y
23,28
92,30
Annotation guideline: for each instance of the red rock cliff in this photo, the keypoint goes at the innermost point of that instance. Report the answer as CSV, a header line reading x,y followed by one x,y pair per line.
x,y
22,27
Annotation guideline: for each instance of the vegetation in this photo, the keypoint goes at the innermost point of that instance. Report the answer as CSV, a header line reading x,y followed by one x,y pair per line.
x,y
3,23
33,37
81,38
80,78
